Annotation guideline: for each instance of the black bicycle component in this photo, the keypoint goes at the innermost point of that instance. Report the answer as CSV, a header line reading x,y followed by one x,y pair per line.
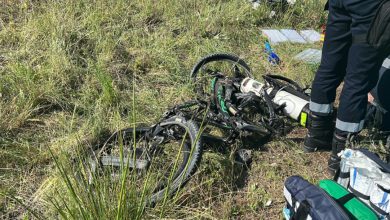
x,y
217,65
278,82
237,110
116,162
237,61
274,78
167,153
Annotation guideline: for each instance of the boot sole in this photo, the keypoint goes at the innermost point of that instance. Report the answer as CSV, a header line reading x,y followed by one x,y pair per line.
x,y
320,145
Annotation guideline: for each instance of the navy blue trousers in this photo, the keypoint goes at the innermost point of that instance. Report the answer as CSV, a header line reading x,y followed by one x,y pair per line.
x,y
357,64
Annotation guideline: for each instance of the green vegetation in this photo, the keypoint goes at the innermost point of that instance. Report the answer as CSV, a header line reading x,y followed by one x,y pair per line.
x,y
73,71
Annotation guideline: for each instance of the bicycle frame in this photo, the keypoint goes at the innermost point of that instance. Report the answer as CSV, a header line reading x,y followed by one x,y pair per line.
x,y
280,94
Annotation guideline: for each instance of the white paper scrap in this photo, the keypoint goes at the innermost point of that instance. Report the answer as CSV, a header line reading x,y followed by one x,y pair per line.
x,y
310,56
311,35
293,36
274,36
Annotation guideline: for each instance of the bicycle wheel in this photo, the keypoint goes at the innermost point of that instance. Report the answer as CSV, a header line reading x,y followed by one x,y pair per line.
x,y
164,156
216,65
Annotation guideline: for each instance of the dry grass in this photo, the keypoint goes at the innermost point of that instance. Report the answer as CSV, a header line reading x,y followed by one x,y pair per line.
x,y
68,70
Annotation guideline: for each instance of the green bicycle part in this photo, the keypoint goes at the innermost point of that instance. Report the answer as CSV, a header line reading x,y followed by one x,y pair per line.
x,y
212,89
221,101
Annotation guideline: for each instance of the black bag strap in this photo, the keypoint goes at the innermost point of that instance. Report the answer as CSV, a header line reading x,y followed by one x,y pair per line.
x,y
336,175
302,211
344,175
344,199
377,209
383,189
359,194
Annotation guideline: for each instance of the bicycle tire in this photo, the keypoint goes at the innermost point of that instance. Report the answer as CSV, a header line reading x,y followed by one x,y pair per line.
x,y
201,85
220,57
193,160
191,155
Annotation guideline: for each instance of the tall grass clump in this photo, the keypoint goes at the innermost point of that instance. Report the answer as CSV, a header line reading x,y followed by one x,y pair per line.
x,y
84,191
82,194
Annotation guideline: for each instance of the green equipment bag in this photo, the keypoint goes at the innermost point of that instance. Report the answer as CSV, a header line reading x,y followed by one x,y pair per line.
x,y
355,208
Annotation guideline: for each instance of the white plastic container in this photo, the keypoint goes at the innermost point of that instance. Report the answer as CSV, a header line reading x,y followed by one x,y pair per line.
x,y
294,104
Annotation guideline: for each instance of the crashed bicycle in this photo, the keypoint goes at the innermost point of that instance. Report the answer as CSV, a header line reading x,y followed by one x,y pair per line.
x,y
228,99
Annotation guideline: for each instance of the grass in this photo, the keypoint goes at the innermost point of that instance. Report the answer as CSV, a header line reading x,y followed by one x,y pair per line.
x,y
72,71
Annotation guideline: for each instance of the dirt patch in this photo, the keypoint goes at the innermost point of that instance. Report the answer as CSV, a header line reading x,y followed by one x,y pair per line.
x,y
263,194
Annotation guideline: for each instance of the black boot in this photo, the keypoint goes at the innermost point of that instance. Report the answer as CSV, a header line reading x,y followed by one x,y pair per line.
x,y
340,140
320,132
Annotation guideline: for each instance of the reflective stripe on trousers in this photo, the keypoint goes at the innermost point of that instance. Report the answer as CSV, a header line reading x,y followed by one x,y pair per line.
x,y
349,126
320,108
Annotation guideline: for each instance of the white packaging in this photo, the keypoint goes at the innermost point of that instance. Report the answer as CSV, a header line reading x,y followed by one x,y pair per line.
x,y
380,196
362,182
344,168
345,155
363,174
367,178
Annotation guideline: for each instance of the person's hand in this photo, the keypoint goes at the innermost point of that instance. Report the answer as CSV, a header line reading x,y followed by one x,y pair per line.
x,y
370,98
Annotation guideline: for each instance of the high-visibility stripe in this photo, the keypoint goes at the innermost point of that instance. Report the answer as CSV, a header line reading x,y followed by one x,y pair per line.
x,y
386,63
349,126
320,108
303,119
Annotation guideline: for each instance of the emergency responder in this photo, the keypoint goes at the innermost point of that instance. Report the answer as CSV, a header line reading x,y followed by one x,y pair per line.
x,y
343,58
